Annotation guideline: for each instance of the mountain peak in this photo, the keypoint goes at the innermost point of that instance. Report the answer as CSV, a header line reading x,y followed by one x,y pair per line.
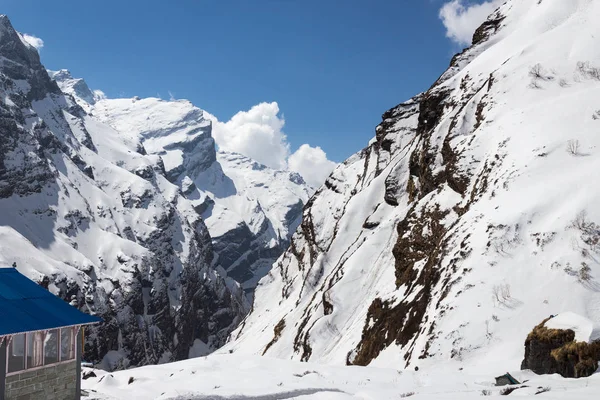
x,y
76,87
5,21
60,75
22,61
14,47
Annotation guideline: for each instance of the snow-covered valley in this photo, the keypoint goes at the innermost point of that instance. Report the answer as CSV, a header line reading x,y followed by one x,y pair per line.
x,y
446,253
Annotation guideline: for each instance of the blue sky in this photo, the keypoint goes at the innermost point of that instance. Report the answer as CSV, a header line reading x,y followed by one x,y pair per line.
x,y
332,66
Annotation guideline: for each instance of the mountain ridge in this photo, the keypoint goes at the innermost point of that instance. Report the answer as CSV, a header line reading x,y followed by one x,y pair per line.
x,y
97,223
250,217
441,216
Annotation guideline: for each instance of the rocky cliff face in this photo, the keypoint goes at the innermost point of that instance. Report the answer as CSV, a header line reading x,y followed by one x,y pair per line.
x,y
250,210
89,214
468,218
251,226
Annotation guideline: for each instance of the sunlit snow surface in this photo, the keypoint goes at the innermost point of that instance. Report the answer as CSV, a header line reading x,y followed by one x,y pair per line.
x,y
525,250
232,377
250,210
585,329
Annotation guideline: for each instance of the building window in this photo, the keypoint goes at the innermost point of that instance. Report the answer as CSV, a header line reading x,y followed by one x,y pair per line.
x,y
51,347
67,344
16,353
35,349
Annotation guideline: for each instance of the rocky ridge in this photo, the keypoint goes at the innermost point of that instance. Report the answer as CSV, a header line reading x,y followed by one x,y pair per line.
x,y
468,218
250,209
88,214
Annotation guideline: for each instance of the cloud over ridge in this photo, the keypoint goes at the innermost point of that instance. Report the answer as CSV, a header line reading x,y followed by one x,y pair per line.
x,y
258,134
461,18
33,40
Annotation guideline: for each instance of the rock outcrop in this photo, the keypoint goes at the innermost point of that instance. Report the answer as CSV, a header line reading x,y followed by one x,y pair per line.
x,y
555,351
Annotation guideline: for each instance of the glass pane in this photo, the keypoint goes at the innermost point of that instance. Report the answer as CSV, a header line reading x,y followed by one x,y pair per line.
x,y
51,347
16,353
35,349
67,348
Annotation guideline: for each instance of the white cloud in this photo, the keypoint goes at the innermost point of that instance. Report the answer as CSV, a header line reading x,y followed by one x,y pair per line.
x,y
258,134
312,164
461,18
33,40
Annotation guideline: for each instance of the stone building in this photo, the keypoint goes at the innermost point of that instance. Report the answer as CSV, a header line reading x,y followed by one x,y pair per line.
x,y
40,341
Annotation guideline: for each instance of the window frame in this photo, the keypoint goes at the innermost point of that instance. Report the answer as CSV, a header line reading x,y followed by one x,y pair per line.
x,y
46,341
74,333
9,341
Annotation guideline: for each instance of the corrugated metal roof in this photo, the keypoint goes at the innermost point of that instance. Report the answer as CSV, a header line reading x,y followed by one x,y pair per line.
x,y
25,306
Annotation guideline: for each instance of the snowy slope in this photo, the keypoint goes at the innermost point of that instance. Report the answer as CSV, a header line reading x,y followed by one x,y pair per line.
x,y
228,377
469,218
585,329
250,210
88,215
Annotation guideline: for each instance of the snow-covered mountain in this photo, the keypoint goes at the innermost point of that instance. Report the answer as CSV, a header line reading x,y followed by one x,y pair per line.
x,y
469,218
250,210
90,215
252,221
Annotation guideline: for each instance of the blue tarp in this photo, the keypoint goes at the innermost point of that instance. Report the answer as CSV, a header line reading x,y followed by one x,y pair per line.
x,y
25,306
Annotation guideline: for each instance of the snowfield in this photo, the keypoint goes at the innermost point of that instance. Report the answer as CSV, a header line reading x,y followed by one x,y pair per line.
x,y
232,377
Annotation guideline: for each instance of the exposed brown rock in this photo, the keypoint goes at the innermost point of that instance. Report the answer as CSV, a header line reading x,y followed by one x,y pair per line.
x,y
387,324
488,28
551,351
276,334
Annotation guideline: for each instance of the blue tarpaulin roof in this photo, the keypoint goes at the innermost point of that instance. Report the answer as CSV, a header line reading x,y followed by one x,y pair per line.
x,y
25,306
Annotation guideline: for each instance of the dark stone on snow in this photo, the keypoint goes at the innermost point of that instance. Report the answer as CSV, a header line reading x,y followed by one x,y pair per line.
x,y
555,351
88,375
